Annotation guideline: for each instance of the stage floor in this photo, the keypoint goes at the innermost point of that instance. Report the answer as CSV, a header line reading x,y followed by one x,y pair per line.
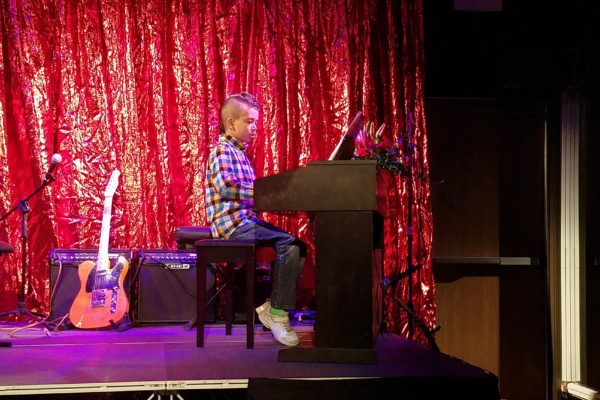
x,y
164,358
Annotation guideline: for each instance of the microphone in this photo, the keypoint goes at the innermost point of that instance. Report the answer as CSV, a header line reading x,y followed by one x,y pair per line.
x,y
56,159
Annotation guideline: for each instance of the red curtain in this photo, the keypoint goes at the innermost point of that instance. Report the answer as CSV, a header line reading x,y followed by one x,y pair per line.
x,y
136,86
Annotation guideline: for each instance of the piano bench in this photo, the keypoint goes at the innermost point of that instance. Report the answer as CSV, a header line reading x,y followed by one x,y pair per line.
x,y
230,252
187,236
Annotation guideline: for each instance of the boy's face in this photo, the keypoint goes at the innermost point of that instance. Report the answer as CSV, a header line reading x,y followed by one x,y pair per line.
x,y
244,127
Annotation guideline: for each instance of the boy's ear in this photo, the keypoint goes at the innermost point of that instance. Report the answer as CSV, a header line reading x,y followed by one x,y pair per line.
x,y
230,123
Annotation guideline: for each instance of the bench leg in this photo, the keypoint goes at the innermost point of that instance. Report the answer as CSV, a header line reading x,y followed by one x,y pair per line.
x,y
250,266
200,299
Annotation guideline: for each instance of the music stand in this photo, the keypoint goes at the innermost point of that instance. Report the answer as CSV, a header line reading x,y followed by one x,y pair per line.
x,y
24,209
345,147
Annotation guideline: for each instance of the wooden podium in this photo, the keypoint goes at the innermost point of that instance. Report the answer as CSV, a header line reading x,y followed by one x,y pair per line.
x,y
342,196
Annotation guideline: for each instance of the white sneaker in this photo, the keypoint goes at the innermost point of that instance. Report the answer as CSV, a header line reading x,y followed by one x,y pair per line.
x,y
263,314
283,332
279,325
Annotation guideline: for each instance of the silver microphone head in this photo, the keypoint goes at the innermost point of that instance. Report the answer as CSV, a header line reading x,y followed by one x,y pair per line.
x,y
56,158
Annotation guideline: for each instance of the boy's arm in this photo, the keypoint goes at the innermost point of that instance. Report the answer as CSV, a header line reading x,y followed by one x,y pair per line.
x,y
228,183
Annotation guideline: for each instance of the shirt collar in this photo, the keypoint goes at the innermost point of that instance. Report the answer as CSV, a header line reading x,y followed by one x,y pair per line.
x,y
233,141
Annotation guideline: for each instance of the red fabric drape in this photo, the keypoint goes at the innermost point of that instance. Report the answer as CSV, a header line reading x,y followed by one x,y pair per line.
x,y
136,85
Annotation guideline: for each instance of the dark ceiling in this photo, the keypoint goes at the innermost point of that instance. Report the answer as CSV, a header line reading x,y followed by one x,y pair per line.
x,y
528,45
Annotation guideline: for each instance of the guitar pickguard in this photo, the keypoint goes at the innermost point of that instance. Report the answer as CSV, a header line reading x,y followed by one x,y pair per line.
x,y
98,283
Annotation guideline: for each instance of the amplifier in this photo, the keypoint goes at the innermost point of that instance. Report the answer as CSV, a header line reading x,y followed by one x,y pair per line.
x,y
167,287
174,259
64,278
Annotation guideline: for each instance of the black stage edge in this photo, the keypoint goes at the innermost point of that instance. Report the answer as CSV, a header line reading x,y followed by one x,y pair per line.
x,y
146,359
328,355
482,388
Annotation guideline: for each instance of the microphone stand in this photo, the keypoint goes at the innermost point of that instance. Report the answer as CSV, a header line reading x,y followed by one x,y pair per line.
x,y
24,209
392,281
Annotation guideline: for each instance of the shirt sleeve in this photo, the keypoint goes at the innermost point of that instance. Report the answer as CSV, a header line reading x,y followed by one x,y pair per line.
x,y
229,181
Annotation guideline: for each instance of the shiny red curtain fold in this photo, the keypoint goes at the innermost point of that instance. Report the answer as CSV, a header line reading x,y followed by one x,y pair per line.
x,y
136,86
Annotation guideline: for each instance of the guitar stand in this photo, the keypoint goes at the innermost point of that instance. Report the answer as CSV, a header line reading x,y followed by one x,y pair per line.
x,y
122,326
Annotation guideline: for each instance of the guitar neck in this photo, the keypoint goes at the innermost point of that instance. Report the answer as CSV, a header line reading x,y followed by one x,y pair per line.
x,y
103,261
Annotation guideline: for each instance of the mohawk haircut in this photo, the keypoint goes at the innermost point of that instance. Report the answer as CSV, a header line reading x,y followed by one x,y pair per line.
x,y
241,98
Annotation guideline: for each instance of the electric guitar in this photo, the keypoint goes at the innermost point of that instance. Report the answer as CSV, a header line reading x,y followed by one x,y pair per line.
x,y
101,300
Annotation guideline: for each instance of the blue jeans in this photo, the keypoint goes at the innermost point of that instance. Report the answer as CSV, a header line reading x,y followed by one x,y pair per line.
x,y
291,254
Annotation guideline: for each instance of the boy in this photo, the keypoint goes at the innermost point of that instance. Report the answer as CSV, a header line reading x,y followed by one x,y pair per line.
x,y
229,201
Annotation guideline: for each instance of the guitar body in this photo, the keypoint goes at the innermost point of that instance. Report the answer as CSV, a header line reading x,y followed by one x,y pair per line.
x,y
101,300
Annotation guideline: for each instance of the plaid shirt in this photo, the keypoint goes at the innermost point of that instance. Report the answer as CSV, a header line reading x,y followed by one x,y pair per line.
x,y
229,187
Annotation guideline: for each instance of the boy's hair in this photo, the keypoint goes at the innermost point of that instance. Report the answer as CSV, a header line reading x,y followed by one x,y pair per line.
x,y
242,98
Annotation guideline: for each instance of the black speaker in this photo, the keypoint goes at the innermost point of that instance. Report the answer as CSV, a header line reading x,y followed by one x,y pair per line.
x,y
64,280
167,287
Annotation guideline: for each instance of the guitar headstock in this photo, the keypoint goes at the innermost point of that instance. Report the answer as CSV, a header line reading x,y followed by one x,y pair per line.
x,y
113,182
